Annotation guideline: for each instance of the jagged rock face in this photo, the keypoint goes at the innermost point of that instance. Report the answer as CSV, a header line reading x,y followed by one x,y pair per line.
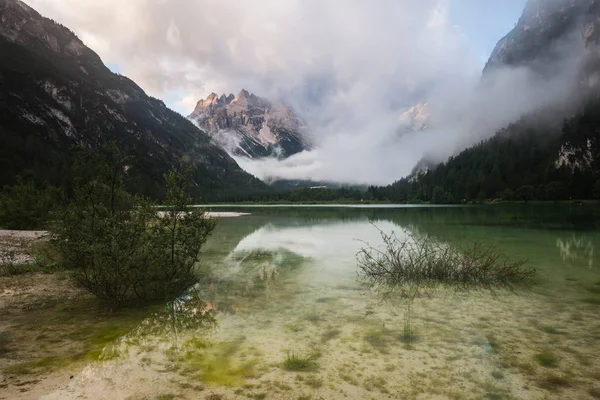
x,y
416,118
543,24
251,126
55,92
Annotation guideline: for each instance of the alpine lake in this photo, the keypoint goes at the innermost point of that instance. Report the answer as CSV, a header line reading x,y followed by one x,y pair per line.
x,y
281,314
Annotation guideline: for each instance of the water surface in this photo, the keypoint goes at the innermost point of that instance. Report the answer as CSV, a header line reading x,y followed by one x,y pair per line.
x,y
282,283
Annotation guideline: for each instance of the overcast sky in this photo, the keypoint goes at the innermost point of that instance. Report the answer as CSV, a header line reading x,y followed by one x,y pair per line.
x,y
349,67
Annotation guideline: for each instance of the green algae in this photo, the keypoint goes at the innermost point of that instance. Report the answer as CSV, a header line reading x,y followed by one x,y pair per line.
x,y
215,364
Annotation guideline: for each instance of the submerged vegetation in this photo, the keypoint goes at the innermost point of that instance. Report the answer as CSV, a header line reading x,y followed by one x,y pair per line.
x,y
416,265
408,334
295,362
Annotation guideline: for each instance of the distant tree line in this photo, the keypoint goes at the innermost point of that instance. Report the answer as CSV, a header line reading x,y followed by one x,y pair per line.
x,y
519,163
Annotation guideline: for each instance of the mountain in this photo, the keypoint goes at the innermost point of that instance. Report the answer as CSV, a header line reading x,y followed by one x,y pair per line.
x,y
250,126
536,157
55,93
544,27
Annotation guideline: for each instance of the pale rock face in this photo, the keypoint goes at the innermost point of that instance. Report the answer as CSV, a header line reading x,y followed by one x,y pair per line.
x,y
68,128
58,94
575,157
251,126
416,118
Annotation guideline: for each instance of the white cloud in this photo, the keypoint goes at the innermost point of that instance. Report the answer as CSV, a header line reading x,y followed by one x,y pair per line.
x,y
349,67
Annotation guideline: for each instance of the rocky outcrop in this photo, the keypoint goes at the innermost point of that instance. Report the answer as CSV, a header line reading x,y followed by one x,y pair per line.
x,y
248,125
55,92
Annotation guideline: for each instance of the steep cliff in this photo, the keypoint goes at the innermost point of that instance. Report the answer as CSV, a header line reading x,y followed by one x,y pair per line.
x,y
55,92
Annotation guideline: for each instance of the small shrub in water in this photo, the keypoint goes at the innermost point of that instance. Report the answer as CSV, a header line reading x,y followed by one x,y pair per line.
x,y
418,264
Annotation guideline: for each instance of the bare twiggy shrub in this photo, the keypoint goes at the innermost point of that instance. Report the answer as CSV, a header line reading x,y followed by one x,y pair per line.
x,y
414,265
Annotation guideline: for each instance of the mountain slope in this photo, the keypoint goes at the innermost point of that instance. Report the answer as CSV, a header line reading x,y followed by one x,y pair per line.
x,y
55,92
542,29
535,157
250,126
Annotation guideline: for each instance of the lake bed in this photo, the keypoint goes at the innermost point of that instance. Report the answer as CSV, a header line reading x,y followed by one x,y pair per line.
x,y
281,314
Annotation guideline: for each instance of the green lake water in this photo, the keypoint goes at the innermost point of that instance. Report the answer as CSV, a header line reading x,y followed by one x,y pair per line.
x,y
280,314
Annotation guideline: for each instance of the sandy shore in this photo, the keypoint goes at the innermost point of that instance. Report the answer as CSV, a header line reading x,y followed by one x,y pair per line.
x,y
217,214
13,238
21,235
225,214
14,244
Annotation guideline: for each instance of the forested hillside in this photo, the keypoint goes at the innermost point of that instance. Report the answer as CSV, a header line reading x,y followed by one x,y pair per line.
x,y
525,161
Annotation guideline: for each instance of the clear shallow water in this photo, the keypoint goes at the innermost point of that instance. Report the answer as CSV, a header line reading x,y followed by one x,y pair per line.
x,y
283,282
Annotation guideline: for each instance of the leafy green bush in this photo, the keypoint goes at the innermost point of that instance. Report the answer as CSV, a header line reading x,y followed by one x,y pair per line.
x,y
23,206
116,245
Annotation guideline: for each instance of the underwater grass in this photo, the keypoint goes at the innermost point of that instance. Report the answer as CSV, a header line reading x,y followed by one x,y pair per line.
x,y
547,359
379,338
330,334
295,362
594,392
415,265
553,381
408,335
325,299
313,381
553,331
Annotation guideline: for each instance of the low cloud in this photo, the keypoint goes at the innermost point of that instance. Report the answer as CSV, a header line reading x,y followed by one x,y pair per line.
x,y
348,68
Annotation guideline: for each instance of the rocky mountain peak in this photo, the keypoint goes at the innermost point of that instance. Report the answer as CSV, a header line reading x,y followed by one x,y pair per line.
x,y
251,126
226,99
243,94
244,99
